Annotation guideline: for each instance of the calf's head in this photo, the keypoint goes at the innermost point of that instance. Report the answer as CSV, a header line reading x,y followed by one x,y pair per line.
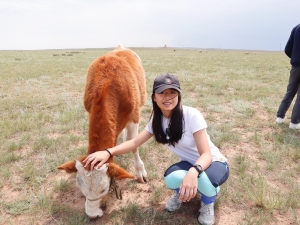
x,y
95,184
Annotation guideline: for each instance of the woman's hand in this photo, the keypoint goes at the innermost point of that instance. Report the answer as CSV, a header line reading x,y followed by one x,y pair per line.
x,y
189,185
94,158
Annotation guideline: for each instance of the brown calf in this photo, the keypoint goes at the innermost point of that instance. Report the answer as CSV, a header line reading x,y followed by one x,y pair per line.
x,y
114,93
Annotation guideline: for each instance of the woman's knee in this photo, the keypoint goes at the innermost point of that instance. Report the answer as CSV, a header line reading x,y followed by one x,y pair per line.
x,y
218,173
175,174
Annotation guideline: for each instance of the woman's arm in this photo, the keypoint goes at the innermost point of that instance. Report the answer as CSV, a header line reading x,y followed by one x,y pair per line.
x,y
127,146
205,158
189,185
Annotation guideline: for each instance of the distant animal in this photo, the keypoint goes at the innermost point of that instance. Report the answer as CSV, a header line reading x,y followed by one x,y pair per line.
x,y
115,91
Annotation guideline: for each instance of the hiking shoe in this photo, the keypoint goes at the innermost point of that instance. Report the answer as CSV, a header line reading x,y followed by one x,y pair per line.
x,y
294,126
279,120
173,203
207,215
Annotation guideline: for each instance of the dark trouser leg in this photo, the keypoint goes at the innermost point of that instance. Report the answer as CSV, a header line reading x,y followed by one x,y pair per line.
x,y
291,91
296,109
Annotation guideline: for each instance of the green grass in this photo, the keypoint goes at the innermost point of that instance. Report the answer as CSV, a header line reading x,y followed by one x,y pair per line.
x,y
43,124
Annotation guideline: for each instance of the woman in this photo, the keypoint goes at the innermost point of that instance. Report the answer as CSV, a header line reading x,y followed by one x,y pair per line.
x,y
202,168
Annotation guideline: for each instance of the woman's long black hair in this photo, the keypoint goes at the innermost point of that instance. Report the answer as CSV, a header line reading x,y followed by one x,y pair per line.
x,y
175,129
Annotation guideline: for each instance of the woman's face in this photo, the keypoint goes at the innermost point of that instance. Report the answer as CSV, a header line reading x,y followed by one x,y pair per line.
x,y
166,101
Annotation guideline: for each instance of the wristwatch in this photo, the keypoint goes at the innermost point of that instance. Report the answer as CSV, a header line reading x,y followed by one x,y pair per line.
x,y
198,168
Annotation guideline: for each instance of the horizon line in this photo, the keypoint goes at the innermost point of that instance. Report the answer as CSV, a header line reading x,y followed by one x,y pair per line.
x,y
166,47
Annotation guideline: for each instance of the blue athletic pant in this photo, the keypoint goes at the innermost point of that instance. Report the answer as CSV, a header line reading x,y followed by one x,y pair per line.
x,y
208,183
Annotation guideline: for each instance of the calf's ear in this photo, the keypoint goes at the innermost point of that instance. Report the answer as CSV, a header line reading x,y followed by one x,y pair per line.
x,y
118,172
70,167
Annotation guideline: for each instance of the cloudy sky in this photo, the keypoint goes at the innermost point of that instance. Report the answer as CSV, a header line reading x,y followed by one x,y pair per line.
x,y
225,24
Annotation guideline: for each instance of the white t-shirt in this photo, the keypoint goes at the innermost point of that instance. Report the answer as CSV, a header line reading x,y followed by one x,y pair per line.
x,y
186,148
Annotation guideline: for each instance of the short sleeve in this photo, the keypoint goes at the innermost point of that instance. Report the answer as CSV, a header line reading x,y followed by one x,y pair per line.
x,y
149,127
196,120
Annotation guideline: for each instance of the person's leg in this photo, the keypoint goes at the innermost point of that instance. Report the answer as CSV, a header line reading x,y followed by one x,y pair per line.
x,y
291,91
295,118
208,186
217,173
208,182
173,178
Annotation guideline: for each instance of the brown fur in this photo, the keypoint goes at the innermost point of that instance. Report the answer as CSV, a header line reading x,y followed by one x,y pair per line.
x,y
114,92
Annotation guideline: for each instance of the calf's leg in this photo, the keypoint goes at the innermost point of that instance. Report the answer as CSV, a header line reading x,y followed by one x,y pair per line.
x,y
131,132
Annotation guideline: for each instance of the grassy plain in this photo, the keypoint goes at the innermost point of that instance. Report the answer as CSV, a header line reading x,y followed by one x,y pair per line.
x,y
43,124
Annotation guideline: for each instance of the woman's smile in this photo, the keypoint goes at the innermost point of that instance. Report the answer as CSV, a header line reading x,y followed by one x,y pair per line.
x,y
167,101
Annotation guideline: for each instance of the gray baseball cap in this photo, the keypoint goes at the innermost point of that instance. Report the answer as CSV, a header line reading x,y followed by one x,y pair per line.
x,y
166,81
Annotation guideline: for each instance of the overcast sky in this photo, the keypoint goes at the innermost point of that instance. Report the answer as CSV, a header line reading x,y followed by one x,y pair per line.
x,y
225,24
